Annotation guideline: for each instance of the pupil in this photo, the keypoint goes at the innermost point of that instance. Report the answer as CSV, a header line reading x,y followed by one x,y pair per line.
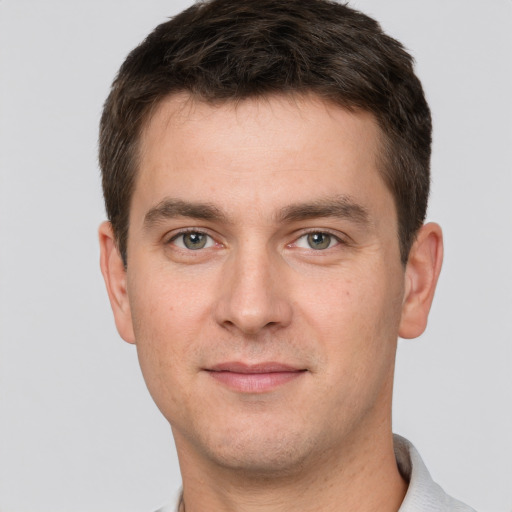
x,y
319,240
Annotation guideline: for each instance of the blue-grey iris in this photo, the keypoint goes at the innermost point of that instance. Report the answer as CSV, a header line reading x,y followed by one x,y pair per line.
x,y
319,240
194,240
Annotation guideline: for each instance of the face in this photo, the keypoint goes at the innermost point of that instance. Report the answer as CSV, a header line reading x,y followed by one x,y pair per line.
x,y
264,288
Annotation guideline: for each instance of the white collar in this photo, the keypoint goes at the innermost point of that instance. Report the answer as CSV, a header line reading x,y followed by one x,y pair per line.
x,y
423,494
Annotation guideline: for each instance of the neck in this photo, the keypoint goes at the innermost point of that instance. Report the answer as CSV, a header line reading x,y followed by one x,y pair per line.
x,y
365,478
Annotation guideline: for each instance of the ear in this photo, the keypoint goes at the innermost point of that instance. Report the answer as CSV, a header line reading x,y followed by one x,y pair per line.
x,y
421,274
114,273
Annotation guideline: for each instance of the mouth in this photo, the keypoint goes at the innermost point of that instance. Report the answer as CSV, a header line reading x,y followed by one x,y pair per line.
x,y
254,378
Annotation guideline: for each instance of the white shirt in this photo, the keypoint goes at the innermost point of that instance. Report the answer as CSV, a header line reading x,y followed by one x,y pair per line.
x,y
423,494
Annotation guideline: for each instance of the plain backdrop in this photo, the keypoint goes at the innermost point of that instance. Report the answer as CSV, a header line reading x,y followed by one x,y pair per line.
x,y
78,430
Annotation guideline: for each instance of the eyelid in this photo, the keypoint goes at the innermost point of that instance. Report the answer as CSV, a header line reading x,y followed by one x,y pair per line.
x,y
339,237
175,234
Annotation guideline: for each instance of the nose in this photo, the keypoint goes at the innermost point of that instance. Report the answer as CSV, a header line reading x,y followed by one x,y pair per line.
x,y
253,294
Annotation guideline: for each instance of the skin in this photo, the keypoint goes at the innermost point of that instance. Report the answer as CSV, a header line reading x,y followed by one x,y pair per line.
x,y
254,180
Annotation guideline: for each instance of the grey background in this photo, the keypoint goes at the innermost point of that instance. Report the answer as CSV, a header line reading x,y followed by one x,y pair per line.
x,y
78,430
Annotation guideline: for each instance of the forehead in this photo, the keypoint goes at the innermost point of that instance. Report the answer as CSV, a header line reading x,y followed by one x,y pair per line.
x,y
271,150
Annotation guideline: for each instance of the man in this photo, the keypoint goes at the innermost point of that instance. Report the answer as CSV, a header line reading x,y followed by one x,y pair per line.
x,y
266,173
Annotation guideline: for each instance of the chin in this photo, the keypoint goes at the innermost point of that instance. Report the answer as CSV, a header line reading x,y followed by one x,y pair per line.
x,y
261,454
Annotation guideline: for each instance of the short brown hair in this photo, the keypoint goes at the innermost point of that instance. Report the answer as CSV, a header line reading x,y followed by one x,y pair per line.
x,y
231,50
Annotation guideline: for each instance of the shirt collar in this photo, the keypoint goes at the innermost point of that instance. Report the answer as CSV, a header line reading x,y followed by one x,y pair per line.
x,y
423,494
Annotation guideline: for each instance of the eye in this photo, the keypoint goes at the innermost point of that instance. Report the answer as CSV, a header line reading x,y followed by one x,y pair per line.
x,y
317,240
193,240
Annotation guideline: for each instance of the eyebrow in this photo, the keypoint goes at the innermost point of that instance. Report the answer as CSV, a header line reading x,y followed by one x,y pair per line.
x,y
343,207
171,208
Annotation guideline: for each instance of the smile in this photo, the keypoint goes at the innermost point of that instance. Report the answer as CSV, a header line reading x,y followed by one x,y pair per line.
x,y
258,378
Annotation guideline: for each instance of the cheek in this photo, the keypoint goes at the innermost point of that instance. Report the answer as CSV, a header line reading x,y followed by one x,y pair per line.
x,y
356,314
166,306
168,315
360,334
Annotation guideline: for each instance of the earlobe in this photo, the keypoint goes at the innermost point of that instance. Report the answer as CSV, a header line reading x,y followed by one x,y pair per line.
x,y
114,274
421,274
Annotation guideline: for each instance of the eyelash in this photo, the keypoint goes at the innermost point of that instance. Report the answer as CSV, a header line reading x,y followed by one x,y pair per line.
x,y
199,231
337,238
184,232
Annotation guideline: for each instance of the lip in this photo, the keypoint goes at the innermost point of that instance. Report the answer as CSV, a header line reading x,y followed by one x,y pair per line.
x,y
254,378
